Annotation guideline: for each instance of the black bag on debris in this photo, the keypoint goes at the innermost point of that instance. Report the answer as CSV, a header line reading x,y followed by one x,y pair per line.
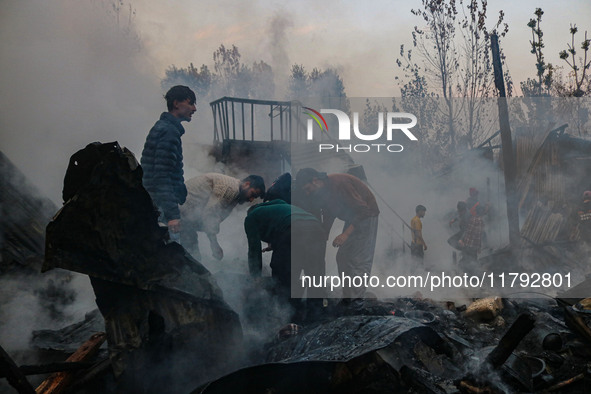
x,y
161,307
82,163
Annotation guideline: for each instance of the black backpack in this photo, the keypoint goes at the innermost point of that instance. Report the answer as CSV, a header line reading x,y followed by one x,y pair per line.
x,y
82,163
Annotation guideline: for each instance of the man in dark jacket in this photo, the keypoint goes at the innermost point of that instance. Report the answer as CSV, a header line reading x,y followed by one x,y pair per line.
x,y
162,158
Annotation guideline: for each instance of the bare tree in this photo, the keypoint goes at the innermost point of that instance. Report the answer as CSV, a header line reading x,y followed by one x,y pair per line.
x,y
544,72
418,99
453,51
435,45
577,85
579,69
476,82
550,82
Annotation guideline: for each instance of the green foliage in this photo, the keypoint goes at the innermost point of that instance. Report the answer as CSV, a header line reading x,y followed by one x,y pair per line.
x,y
317,83
230,77
370,115
298,81
200,80
325,84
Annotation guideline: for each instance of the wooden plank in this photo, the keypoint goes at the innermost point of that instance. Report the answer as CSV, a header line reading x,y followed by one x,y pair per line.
x,y
567,382
87,377
58,382
49,368
519,329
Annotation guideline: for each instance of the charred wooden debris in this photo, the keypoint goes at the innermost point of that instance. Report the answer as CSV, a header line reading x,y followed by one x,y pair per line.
x,y
415,345
422,346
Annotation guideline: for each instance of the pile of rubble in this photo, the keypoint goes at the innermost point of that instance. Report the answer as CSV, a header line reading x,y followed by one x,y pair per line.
x,y
410,345
492,345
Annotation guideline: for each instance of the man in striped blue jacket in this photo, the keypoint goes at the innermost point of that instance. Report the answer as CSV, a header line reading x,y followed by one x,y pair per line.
x,y
162,158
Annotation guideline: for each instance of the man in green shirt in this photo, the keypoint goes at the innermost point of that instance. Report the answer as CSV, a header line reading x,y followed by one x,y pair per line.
x,y
298,241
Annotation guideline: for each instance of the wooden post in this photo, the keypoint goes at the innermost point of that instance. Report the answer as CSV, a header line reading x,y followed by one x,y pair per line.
x,y
57,382
518,330
497,357
507,144
48,368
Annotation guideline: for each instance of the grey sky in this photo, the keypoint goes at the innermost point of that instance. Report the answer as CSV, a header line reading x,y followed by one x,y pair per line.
x,y
70,77
361,39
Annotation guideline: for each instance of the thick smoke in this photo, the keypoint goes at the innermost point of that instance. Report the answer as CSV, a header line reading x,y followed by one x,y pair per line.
x,y
78,72
51,302
278,31
72,73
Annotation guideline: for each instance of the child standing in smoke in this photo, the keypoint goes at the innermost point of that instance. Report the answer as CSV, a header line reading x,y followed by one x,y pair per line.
x,y
418,244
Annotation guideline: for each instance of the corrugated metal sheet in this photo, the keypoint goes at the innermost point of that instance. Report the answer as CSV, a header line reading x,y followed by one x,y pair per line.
x,y
547,189
542,224
542,180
